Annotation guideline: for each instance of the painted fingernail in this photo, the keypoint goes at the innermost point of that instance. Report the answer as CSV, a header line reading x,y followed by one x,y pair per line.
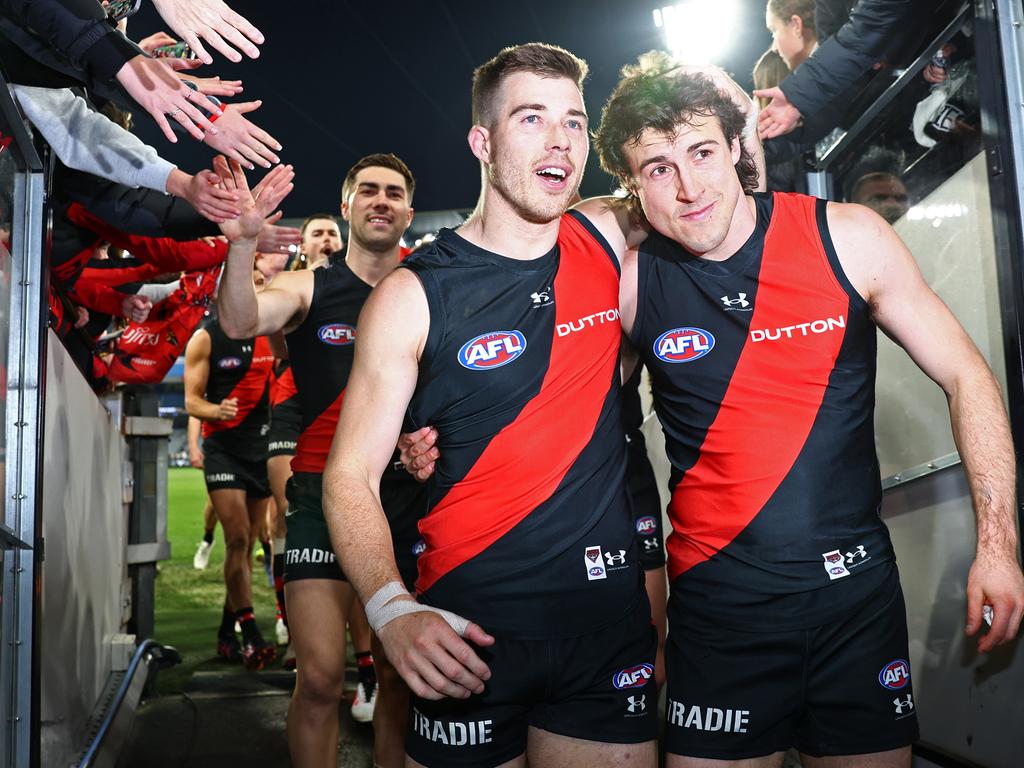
x,y
278,147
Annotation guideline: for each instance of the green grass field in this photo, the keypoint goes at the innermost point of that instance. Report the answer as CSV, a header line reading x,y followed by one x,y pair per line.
x,y
189,602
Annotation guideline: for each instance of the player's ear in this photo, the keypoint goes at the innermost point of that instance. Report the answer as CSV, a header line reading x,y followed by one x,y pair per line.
x,y
480,143
345,210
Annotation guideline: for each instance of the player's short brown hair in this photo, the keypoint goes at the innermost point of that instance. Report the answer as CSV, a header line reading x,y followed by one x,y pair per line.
x,y
538,58
379,160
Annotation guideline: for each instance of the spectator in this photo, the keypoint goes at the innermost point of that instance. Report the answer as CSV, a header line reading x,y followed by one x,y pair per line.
x,y
858,45
875,181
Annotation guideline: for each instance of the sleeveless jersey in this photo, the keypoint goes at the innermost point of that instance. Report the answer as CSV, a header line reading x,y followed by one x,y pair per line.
x,y
763,369
282,385
529,531
239,368
321,351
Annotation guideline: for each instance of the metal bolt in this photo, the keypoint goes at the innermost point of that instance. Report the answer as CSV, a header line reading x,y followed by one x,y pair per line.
x,y
19,497
931,466
897,478
21,423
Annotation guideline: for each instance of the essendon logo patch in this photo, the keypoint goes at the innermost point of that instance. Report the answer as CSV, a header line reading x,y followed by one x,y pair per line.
x,y
633,677
337,334
683,345
895,675
492,350
227,363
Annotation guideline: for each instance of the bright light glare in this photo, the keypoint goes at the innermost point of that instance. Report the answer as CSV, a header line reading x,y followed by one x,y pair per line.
x,y
698,31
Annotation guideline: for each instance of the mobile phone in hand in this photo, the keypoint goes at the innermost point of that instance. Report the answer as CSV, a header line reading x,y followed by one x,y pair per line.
x,y
174,51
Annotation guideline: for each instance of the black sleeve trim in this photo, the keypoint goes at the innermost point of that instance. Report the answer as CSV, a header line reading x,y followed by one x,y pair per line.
x,y
596,234
821,215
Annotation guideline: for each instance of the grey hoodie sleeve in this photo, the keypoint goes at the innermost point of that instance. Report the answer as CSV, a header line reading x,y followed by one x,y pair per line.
x,y
87,141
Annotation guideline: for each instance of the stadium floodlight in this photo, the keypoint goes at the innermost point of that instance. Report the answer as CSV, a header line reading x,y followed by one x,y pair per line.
x,y
698,31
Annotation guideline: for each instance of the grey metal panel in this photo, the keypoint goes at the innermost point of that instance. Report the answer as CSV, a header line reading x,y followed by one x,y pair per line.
x,y
86,528
968,705
22,417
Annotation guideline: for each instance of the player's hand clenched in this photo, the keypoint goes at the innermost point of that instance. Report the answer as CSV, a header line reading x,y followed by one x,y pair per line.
x,y
227,408
995,581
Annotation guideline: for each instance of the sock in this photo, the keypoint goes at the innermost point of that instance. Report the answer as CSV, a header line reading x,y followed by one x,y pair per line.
x,y
267,554
367,673
208,536
282,612
227,624
250,632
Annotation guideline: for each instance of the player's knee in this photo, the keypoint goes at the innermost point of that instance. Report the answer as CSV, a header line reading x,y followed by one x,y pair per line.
x,y
237,539
319,687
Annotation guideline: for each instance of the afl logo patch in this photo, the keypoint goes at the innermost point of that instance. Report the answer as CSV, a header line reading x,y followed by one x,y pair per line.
x,y
683,345
228,363
646,524
895,675
633,677
492,350
419,548
337,334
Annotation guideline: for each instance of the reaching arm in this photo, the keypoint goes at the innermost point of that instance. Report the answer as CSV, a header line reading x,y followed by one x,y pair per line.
x,y
282,306
87,141
393,325
906,308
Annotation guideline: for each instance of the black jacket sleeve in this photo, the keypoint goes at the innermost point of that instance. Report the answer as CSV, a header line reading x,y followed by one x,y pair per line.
x,y
139,211
852,51
78,29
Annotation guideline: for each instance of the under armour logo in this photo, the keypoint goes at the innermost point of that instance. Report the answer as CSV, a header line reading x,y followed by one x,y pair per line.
x,y
741,302
858,552
650,545
619,559
637,703
901,704
540,298
247,348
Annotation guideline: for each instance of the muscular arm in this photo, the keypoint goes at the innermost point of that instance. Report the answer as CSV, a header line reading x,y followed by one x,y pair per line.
x,y
280,307
197,373
393,325
909,312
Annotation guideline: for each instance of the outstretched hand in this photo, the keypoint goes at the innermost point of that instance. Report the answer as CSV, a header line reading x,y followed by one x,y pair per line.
x,y
213,21
242,140
256,204
779,117
154,86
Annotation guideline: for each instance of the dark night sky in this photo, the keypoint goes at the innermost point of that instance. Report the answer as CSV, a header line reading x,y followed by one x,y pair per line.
x,y
343,79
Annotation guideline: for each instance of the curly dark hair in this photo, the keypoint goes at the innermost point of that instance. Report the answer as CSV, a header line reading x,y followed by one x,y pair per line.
x,y
659,96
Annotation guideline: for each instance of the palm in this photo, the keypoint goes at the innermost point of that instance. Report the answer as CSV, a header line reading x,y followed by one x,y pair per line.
x,y
256,204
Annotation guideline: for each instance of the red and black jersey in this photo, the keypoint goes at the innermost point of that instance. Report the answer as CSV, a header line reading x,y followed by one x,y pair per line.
x,y
763,370
321,351
529,531
239,368
282,384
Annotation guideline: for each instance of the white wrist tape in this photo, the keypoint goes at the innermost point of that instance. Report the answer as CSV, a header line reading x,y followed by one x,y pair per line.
x,y
383,608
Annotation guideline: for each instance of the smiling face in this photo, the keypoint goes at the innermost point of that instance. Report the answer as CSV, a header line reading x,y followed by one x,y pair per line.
x,y
536,149
377,209
687,184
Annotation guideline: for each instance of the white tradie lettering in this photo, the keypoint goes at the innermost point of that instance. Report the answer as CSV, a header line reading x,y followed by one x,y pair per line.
x,y
707,718
453,733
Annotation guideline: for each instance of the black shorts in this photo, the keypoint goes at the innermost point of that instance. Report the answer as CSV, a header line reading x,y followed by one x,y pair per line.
x,y
224,469
285,427
643,497
598,687
842,688
308,553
